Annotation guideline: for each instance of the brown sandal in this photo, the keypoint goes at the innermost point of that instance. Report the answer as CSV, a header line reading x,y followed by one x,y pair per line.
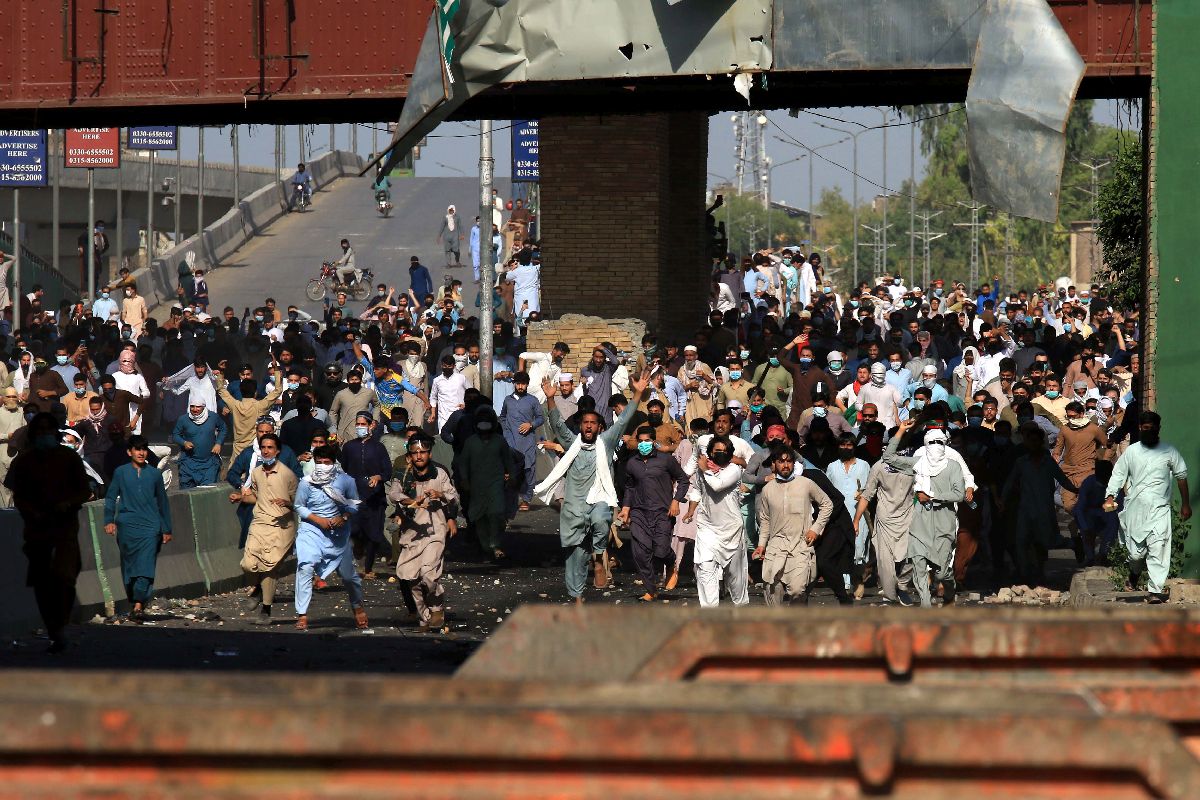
x,y
302,622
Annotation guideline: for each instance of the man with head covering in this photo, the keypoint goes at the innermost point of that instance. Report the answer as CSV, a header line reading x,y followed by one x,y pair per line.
x,y
326,501
699,383
849,474
1145,471
425,510
939,486
128,379
589,495
892,491
12,419
1080,442
194,382
520,419
200,434
486,467
451,235
885,397
1030,487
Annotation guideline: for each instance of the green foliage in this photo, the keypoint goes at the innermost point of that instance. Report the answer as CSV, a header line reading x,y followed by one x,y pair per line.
x,y
1040,252
1121,212
746,224
1118,556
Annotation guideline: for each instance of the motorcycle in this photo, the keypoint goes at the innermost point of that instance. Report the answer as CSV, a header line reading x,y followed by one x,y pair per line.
x,y
328,282
300,199
383,204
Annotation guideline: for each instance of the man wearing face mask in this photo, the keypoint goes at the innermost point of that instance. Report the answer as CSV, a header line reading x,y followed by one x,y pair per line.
x,y
77,401
939,485
805,377
589,496
297,431
45,385
655,484
199,433
720,550
849,474
1080,442
272,491
1145,471
735,388
486,467
520,419
881,394
104,308
366,461
134,312
12,419
447,392
891,490
775,380
788,530
1029,497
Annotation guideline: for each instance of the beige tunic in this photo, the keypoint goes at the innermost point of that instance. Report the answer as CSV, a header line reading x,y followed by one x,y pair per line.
x,y
700,399
423,529
272,528
784,516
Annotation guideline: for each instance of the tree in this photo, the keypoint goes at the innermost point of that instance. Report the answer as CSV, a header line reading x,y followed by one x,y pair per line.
x,y
1121,214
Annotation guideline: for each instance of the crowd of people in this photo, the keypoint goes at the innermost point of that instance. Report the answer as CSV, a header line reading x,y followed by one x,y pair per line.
x,y
887,434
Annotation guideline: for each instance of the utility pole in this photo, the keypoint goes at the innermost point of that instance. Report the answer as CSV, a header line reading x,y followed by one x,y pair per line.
x,y
884,251
55,145
16,254
237,167
912,207
200,180
487,268
926,236
1094,194
332,137
974,225
878,246
91,241
178,182
150,208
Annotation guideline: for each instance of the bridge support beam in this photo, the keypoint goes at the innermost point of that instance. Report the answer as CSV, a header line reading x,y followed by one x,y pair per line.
x,y
622,222
1173,275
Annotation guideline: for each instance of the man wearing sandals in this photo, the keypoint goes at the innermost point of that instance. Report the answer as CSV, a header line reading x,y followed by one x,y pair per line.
x,y
589,497
326,501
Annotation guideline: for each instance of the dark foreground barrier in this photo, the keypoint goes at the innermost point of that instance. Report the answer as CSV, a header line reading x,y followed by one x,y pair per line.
x,y
270,736
201,558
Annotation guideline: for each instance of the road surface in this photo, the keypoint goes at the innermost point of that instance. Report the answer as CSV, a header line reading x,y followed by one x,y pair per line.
x,y
279,262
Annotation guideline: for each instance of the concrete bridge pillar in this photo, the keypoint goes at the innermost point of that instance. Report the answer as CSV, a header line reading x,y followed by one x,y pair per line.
x,y
622,221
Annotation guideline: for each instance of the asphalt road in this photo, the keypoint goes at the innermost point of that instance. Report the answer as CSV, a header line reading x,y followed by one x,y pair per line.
x,y
214,634
279,262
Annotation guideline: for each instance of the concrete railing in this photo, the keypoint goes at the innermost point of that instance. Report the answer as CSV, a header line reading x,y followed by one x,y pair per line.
x,y
202,558
253,214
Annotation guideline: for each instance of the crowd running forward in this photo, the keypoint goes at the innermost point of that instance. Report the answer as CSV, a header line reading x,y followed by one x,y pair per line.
x,y
800,434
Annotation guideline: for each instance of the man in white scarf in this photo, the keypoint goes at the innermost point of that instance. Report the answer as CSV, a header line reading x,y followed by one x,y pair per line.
x,y
451,236
585,475
325,502
200,433
939,486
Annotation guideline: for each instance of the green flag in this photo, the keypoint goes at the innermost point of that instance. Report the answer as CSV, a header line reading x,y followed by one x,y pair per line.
x,y
446,9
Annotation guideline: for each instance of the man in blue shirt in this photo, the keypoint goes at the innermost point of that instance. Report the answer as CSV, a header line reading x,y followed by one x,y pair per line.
x,y
421,283
304,179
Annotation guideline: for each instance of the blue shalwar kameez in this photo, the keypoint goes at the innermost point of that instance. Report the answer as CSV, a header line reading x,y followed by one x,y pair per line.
x,y
137,503
321,552
199,466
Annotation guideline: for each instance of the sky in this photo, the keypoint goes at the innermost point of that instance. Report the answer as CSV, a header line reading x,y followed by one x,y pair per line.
x,y
453,149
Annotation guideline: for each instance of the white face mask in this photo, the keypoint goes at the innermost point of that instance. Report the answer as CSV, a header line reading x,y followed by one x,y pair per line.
x,y
324,473
937,450
460,363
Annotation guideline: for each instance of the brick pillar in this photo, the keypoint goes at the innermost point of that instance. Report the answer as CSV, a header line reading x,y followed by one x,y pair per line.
x,y
622,224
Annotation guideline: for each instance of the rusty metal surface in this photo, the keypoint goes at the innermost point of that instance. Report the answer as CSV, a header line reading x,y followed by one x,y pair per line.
x,y
144,53
980,646
290,736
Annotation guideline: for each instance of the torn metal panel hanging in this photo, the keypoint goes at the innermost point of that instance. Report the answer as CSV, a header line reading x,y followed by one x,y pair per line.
x,y
1024,69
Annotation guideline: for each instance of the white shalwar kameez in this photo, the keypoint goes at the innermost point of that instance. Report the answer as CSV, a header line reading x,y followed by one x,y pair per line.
x,y
720,550
1146,474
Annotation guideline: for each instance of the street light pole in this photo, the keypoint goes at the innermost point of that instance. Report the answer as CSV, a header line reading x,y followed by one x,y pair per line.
x,y
884,124
487,268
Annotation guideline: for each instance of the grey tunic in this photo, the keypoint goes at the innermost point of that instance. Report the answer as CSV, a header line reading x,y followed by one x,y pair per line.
x,y
934,527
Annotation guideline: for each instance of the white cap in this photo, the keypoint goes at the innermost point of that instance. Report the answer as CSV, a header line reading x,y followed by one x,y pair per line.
x,y
565,377
929,369
691,348
734,404
834,355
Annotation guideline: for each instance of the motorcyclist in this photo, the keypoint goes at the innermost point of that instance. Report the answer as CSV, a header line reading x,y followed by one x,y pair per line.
x,y
304,179
346,271
382,186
